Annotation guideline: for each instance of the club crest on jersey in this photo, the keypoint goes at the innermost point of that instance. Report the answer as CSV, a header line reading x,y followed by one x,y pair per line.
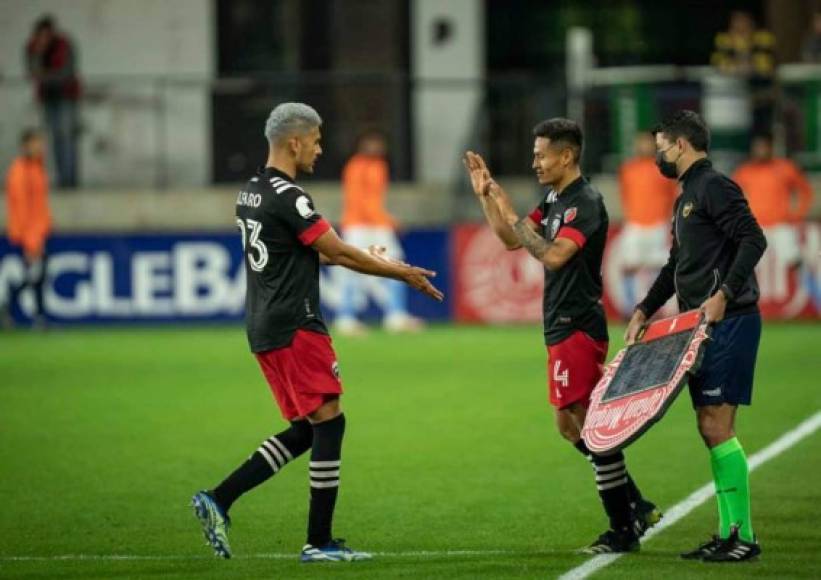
x,y
687,209
335,369
569,215
303,206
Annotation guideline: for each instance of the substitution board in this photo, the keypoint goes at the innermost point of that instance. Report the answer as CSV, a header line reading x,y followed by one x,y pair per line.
x,y
643,380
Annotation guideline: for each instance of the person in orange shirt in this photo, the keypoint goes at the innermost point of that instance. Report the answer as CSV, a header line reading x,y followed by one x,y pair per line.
x,y
770,184
647,199
29,217
367,223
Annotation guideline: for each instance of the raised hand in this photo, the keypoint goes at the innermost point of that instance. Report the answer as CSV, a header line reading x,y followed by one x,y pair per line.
x,y
478,173
502,199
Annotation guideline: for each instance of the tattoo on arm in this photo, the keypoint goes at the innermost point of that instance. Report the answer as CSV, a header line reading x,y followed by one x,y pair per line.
x,y
535,244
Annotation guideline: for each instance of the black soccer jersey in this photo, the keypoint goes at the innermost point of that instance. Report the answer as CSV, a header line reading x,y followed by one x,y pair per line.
x,y
278,224
572,294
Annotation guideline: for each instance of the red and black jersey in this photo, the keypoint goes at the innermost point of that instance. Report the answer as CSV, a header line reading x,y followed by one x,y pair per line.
x,y
278,224
572,294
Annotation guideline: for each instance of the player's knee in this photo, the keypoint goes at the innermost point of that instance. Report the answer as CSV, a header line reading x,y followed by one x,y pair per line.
x,y
568,430
329,409
713,431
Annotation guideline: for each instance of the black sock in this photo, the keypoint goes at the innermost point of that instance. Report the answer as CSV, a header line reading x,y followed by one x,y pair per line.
x,y
613,484
271,456
326,456
633,491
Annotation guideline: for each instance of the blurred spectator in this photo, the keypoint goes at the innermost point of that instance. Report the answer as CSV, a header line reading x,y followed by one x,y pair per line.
x,y
29,218
811,49
52,64
748,52
647,199
366,222
770,183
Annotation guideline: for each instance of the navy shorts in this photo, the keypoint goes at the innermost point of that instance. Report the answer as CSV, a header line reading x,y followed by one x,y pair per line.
x,y
726,373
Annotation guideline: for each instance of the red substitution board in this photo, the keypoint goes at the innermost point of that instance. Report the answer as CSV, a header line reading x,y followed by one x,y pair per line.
x,y
643,380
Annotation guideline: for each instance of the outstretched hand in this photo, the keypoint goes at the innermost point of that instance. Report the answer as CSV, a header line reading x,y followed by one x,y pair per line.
x,y
381,253
417,278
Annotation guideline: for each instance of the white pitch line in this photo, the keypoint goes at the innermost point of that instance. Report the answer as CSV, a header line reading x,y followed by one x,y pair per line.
x,y
702,494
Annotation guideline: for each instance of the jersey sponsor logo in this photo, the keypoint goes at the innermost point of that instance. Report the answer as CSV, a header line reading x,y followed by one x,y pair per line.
x,y
304,207
569,215
687,209
249,199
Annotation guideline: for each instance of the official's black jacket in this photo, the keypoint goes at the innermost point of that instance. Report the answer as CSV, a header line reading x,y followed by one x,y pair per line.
x,y
716,244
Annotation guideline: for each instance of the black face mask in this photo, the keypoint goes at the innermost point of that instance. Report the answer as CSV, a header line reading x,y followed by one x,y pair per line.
x,y
667,168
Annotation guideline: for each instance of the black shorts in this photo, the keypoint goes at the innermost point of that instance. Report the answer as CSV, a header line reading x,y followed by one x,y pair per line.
x,y
726,373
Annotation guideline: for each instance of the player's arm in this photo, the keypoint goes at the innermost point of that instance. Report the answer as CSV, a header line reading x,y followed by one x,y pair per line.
x,y
480,179
379,252
726,204
553,255
343,254
325,260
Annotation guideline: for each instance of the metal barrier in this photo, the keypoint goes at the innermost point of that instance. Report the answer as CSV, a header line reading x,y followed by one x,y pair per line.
x,y
167,132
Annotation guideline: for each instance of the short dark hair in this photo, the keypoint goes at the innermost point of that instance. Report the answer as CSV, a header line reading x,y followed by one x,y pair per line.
x,y
565,132
687,125
28,134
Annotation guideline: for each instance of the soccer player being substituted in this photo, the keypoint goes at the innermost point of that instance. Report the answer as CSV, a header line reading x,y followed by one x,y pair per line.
x,y
716,244
567,233
284,240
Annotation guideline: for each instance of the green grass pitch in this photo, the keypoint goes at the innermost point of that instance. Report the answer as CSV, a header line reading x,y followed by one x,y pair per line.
x,y
450,447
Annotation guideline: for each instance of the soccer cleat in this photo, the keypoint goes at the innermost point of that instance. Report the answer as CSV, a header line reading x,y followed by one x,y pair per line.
x,y
215,523
646,515
703,550
734,549
333,551
611,542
